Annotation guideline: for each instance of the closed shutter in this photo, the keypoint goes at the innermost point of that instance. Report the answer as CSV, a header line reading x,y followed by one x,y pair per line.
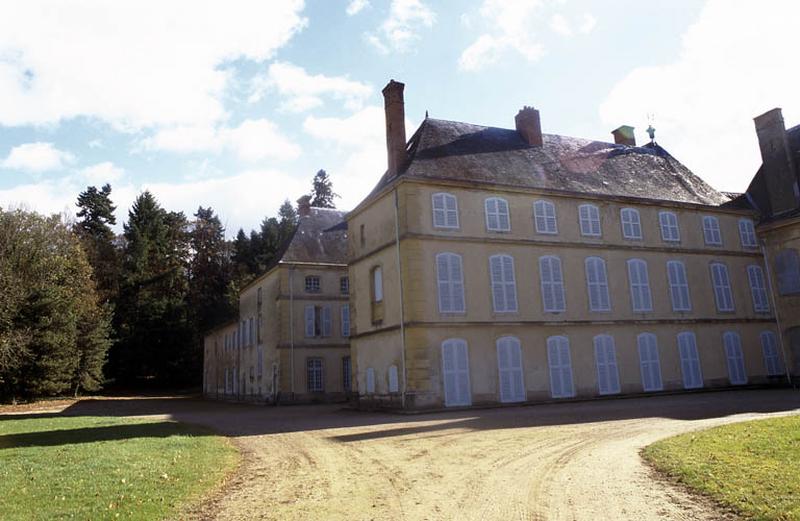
x,y
450,283
747,233
345,320
606,359
640,286
370,380
504,291
503,217
552,282
669,227
326,321
393,380
439,211
711,231
597,283
722,287
631,224
678,286
451,211
735,358
690,361
769,347
492,222
589,217
309,321
560,365
455,365
649,362
509,362
758,289
377,284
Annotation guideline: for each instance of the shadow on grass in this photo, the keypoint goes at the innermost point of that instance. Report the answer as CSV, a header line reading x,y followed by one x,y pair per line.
x,y
80,435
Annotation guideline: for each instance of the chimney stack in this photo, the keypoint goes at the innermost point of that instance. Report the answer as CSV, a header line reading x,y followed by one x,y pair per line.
x,y
394,108
529,126
624,136
777,165
304,206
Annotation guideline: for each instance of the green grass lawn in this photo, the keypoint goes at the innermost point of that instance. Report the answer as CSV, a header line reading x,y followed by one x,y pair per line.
x,y
752,467
106,468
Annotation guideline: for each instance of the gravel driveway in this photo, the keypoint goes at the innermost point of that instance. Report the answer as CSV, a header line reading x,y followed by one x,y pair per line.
x,y
568,461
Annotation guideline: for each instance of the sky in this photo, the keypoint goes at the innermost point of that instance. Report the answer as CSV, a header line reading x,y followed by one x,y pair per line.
x,y
237,104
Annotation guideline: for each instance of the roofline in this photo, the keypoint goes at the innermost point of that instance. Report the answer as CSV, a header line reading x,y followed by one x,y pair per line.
x,y
231,322
288,264
779,223
549,191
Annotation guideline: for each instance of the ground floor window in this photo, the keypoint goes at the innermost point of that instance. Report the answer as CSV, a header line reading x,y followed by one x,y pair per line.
x,y
649,362
735,358
509,364
560,362
455,369
772,359
346,374
690,361
314,375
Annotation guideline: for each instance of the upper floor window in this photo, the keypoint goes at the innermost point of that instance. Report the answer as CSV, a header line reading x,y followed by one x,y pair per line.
x,y
631,223
711,231
552,280
312,284
747,233
669,227
445,211
678,286
544,216
722,287
589,217
758,288
641,299
450,283
504,287
377,284
597,284
497,218
345,320
344,285
317,321
787,270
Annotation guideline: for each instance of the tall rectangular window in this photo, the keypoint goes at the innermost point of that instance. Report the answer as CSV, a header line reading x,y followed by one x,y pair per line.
x,y
631,223
733,353
310,321
606,359
325,318
497,216
445,210
669,227
589,217
772,358
552,281
344,285
377,284
560,365
747,233
597,284
758,288
314,376
722,287
544,217
450,283
678,286
345,320
690,361
347,374
711,232
312,284
259,323
649,362
639,280
504,289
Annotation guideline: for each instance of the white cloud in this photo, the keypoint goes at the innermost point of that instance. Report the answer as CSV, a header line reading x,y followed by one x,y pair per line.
x,y
588,24
132,63
560,25
729,70
304,91
102,173
253,140
356,6
401,29
223,194
36,157
511,28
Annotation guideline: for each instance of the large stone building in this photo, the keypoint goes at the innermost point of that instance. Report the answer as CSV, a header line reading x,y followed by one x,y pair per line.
x,y
290,342
506,265
775,194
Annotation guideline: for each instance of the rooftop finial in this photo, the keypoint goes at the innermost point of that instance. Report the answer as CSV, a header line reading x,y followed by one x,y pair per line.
x,y
426,114
651,131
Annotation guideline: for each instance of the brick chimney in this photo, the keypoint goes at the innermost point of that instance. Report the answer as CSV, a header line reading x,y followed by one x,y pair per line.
x,y
777,166
394,108
304,206
529,126
624,136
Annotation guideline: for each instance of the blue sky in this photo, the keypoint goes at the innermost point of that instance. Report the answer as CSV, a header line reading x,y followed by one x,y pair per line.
x,y
235,105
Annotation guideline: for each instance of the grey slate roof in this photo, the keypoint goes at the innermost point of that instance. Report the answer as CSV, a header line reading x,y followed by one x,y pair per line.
x,y
312,240
757,191
449,150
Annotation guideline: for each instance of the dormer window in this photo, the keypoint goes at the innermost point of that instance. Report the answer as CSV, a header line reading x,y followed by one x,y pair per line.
x,y
312,284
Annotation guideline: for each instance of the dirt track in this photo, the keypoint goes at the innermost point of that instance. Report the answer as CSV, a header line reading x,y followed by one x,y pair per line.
x,y
569,461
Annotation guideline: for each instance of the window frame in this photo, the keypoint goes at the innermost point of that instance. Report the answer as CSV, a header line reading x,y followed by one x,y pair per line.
x,y
497,214
624,219
732,342
758,293
639,288
774,368
344,285
513,373
653,363
560,368
453,286
602,285
344,317
604,344
504,284
555,287
457,344
313,284
667,228
347,374
693,344
592,218
446,196
311,386
376,283
724,290
674,284
547,206
711,225
750,231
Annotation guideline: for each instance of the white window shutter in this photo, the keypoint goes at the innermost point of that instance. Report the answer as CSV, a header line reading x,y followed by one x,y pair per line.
x,y
747,233
370,376
345,320
492,222
560,365
503,215
455,369
649,362
552,284
690,361
722,288
735,358
510,283
597,282
309,320
377,281
439,211
451,208
606,360
393,379
678,286
772,359
758,289
326,321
